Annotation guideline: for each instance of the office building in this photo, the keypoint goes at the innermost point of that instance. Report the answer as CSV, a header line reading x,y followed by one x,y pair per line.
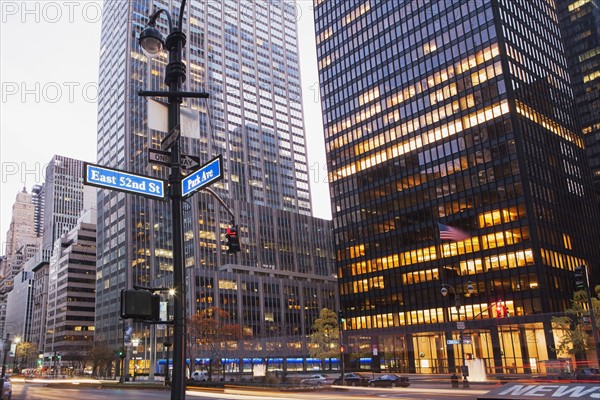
x,y
71,293
245,55
454,156
19,307
580,27
63,198
21,230
21,244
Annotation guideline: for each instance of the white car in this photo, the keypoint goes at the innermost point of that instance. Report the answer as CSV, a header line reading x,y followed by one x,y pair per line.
x,y
7,390
201,376
317,380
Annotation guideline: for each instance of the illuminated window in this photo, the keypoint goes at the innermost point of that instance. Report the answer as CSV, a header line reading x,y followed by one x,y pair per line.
x,y
227,284
567,241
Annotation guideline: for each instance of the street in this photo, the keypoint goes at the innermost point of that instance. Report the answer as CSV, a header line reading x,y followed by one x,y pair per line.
x,y
42,391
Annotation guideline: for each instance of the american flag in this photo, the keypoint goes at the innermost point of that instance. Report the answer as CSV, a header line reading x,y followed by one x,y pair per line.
x,y
451,233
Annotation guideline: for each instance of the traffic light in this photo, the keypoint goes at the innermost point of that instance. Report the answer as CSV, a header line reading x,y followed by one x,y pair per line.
x,y
232,240
121,354
579,278
341,317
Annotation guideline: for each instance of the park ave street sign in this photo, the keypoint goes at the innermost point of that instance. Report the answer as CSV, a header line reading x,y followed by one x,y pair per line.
x,y
107,178
203,176
161,157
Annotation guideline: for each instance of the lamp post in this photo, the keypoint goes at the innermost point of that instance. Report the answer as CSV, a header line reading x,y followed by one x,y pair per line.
x,y
151,42
167,343
341,320
458,305
6,349
16,358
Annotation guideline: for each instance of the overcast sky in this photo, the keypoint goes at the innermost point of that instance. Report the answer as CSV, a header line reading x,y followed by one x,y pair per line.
x,y
49,73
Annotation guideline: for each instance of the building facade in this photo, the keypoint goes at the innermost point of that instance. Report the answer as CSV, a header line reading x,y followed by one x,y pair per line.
x,y
71,293
38,192
245,55
21,244
39,300
63,198
580,26
19,307
455,158
21,231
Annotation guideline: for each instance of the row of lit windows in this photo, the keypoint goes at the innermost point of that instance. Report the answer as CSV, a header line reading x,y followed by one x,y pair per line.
x,y
425,254
549,124
406,46
410,91
429,137
428,316
560,260
467,267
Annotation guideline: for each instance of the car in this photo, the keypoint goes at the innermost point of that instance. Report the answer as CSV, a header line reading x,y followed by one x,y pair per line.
x,y
588,374
7,390
201,376
317,380
389,380
352,379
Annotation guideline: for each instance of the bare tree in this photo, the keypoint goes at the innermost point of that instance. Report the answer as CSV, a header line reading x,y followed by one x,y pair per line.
x,y
101,358
76,359
25,352
212,333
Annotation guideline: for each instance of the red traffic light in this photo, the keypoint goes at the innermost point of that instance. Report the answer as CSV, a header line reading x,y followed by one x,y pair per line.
x,y
232,240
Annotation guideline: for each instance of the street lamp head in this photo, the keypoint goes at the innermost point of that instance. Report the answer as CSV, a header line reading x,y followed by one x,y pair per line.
x,y
444,291
151,41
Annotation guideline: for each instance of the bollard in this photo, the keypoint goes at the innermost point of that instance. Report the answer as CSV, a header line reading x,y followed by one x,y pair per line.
x,y
454,380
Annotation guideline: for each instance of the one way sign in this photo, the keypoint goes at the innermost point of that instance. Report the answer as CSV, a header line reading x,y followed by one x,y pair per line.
x,y
161,157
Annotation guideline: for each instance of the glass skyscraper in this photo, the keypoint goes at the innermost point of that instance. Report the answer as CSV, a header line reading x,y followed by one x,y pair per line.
x,y
453,118
580,24
245,55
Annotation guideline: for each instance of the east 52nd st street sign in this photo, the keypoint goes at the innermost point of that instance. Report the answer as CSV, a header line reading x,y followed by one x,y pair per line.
x,y
108,178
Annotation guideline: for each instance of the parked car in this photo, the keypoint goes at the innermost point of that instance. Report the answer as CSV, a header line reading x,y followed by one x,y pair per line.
x,y
317,380
352,379
588,374
389,380
201,376
7,390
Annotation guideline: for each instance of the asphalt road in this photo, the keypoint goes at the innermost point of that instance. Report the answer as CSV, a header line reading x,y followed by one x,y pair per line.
x,y
39,391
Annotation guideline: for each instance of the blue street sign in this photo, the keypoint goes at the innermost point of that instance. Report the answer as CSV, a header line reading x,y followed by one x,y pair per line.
x,y
203,176
452,341
108,178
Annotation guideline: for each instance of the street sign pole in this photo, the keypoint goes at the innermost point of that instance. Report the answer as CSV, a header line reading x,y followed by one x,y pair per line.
x,y
175,43
175,74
